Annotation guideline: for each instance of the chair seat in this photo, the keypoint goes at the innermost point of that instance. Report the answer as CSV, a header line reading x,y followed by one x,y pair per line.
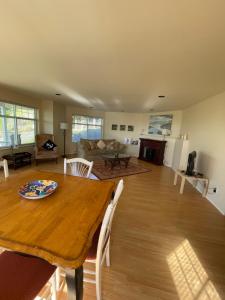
x,y
92,253
22,276
46,154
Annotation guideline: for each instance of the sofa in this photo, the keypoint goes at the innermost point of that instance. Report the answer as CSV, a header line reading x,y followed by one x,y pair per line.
x,y
94,149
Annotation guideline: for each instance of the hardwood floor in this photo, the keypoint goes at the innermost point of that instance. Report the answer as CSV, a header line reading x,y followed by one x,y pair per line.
x,y
164,245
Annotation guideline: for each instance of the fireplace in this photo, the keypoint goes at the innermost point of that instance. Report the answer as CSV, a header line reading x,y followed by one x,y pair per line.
x,y
148,153
152,150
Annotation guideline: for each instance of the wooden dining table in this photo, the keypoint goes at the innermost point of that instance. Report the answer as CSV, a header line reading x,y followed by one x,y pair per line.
x,y
58,228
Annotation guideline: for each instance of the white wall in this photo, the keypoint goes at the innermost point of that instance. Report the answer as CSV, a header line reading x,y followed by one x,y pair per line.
x,y
58,116
205,125
140,122
46,117
52,113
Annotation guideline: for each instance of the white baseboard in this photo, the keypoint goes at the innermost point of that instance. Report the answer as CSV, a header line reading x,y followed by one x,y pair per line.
x,y
210,200
215,205
168,165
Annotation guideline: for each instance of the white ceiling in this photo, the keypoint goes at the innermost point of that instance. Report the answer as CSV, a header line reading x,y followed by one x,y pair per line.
x,y
114,54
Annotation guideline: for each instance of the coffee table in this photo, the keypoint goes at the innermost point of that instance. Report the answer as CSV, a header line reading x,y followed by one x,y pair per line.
x,y
18,159
115,160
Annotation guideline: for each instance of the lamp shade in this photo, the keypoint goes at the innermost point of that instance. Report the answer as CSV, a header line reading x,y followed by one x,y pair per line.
x,y
63,125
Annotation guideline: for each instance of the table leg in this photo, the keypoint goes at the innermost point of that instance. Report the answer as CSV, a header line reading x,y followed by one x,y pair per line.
x,y
6,170
175,178
206,187
14,163
74,281
182,185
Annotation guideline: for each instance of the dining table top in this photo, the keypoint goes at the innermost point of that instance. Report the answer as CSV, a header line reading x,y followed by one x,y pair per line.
x,y
58,228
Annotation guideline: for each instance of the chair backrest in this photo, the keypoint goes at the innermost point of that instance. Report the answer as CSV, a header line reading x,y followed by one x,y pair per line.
x,y
4,164
107,222
42,138
79,166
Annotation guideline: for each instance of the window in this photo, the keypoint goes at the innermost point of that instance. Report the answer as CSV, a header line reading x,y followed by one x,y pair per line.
x,y
17,124
84,127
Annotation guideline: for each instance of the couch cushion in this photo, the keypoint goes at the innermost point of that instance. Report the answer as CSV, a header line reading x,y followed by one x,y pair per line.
x,y
46,154
22,276
111,145
107,142
85,144
101,145
93,145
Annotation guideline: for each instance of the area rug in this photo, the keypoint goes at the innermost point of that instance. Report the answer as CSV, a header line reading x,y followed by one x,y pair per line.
x,y
102,172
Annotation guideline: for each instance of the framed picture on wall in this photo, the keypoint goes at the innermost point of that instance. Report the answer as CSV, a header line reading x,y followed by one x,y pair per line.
x,y
114,126
130,128
122,127
160,124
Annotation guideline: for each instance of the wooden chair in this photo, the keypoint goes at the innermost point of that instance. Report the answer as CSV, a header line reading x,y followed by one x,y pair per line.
x,y
100,249
23,276
40,152
4,164
79,166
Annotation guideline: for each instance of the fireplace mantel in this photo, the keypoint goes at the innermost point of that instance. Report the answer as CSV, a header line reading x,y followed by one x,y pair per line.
x,y
152,151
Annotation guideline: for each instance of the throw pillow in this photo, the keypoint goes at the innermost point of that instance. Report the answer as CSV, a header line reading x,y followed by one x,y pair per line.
x,y
101,145
49,145
93,145
111,145
85,145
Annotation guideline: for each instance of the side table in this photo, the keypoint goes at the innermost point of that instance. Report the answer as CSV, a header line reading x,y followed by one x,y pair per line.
x,y
195,177
18,159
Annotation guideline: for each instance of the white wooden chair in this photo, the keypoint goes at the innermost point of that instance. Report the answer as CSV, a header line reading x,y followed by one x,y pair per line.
x,y
100,251
79,166
4,164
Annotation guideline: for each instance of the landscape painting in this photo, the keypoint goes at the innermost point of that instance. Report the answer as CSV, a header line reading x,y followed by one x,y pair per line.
x,y
158,123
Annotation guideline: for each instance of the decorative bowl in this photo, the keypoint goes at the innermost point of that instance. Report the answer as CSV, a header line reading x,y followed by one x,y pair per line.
x,y
38,189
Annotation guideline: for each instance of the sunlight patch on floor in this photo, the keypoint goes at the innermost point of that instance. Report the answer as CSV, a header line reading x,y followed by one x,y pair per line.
x,y
190,278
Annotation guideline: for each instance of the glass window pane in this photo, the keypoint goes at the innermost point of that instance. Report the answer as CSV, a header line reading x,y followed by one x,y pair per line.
x,y
7,109
26,131
79,132
7,131
25,112
94,132
80,119
94,121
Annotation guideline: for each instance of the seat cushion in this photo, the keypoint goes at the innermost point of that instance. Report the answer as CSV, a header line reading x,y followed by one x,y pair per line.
x,y
22,276
46,154
92,253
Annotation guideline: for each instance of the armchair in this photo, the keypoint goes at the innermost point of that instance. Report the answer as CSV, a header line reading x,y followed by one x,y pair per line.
x,y
40,152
